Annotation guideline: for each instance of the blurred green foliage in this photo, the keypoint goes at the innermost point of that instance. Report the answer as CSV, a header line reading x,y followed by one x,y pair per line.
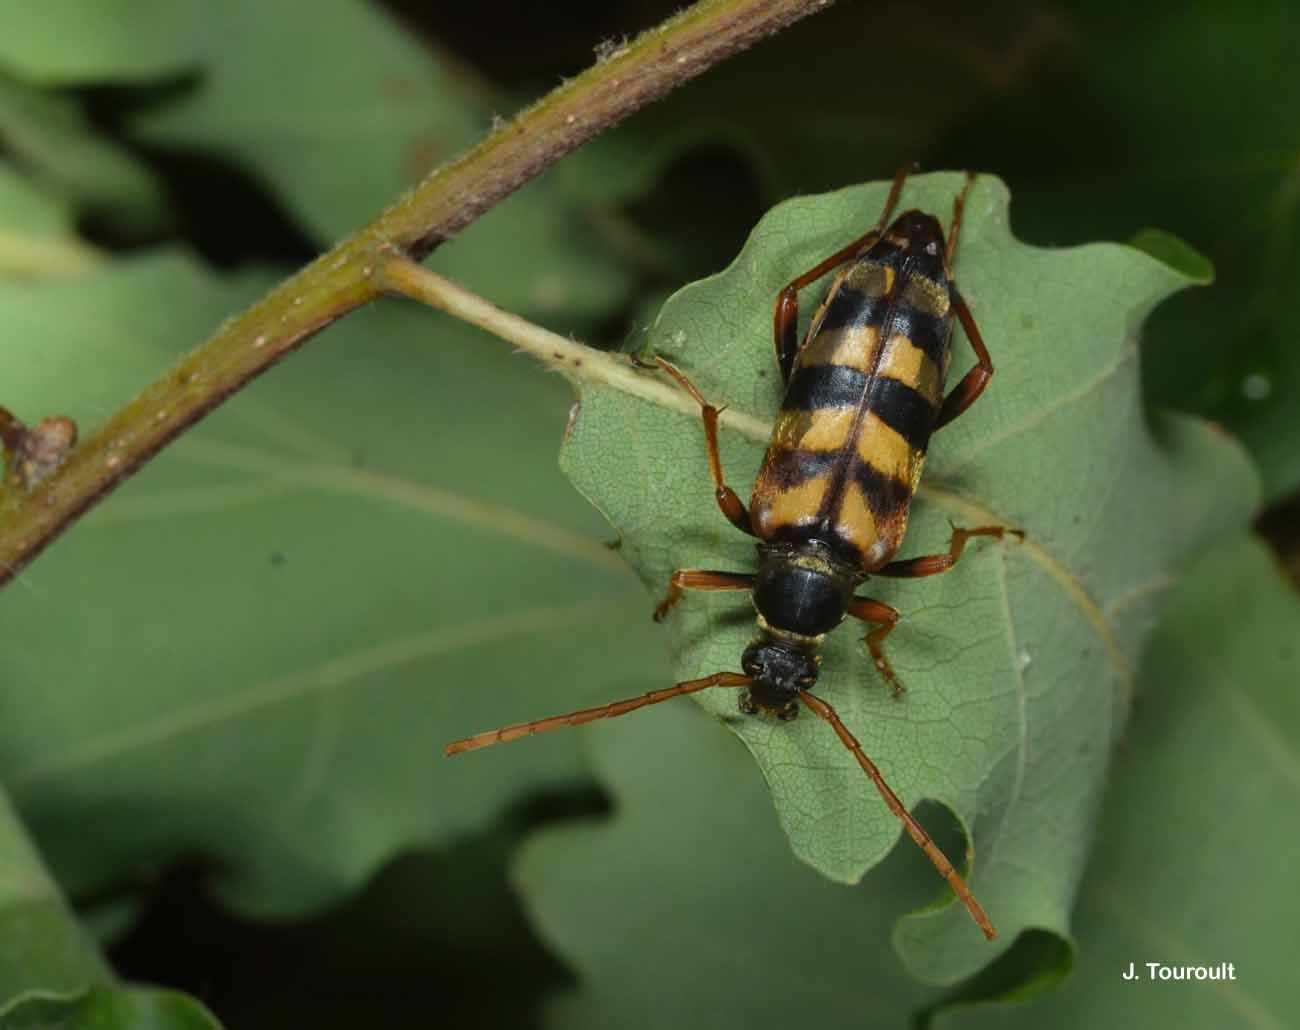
x,y
51,974
247,659
261,591
1195,847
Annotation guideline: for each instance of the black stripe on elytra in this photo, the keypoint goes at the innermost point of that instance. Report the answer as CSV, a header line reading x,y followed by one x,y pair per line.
x,y
824,386
903,409
788,467
851,308
928,333
886,496
886,252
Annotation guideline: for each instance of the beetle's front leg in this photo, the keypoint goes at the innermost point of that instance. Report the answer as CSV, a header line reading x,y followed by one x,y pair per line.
x,y
700,579
884,618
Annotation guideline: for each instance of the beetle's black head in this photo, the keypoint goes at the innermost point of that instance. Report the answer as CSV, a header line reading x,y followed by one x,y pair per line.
x,y
779,671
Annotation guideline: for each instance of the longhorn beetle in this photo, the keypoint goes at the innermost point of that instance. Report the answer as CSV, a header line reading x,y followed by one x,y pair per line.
x,y
863,394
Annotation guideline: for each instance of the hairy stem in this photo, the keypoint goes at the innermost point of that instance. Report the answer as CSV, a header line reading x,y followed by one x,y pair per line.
x,y
344,278
576,361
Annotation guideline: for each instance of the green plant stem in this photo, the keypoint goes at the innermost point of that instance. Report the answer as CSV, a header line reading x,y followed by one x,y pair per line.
x,y
575,361
343,279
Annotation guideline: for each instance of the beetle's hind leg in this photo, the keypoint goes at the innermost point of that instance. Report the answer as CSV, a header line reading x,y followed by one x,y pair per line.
x,y
885,618
972,384
700,579
967,392
933,564
731,505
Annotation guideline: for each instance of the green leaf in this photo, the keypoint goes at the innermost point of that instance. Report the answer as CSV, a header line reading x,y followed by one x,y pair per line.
x,y
50,138
102,1008
1197,846
280,621
1019,663
41,945
1174,253
341,127
36,233
51,975
28,210
68,44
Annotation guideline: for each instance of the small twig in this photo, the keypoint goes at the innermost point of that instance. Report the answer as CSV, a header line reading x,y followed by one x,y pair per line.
x,y
576,361
341,280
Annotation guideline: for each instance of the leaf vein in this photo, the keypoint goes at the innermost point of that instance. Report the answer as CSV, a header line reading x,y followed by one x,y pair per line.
x,y
196,500
343,671
1272,744
1162,941
1022,715
429,499
978,514
950,466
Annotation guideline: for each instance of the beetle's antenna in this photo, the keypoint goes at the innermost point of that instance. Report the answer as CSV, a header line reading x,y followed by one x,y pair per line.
x,y
524,729
918,834
954,229
895,191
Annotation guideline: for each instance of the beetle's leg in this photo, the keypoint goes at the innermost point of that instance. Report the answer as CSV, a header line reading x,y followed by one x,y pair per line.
x,y
524,729
731,505
785,319
965,393
885,619
931,564
700,579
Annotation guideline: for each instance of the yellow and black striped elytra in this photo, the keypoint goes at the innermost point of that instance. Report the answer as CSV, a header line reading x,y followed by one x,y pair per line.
x,y
863,395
